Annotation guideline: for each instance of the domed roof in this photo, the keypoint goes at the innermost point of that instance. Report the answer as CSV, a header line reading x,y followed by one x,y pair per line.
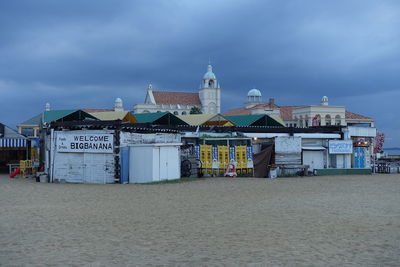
x,y
254,92
324,101
118,100
209,74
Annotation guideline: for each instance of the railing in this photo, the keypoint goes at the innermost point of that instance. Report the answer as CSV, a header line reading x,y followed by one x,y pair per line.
x,y
385,168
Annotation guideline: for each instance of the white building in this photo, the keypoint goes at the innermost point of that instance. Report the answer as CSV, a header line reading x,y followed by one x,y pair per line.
x,y
304,115
207,99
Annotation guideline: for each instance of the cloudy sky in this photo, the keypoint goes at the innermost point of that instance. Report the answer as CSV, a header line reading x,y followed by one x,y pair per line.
x,y
84,54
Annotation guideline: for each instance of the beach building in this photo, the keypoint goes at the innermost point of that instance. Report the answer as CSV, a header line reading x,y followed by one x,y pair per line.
x,y
111,152
13,147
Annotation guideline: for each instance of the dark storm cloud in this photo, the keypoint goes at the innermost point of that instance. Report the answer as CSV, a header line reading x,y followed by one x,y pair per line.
x,y
86,53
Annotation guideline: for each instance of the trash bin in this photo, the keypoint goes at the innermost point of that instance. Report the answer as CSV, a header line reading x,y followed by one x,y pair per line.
x,y
273,173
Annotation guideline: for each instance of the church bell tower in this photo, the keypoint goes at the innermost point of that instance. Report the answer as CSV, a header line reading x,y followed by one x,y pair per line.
x,y
210,93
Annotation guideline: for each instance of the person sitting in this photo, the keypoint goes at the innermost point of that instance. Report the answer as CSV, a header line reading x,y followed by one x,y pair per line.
x,y
231,170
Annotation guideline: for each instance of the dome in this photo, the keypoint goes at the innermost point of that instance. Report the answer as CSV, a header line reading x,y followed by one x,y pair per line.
x,y
254,92
118,100
209,74
324,101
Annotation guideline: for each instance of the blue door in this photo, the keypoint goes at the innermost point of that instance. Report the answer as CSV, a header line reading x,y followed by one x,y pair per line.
x,y
124,165
359,157
362,157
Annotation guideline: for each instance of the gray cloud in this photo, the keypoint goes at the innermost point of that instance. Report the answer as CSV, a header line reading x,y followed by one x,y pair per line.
x,y
85,54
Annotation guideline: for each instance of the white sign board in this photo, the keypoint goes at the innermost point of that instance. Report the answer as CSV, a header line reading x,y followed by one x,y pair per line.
x,y
88,143
340,147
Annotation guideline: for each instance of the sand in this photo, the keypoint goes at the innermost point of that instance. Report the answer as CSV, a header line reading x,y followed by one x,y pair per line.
x,y
312,221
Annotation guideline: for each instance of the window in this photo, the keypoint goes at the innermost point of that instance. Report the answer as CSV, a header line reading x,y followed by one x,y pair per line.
x,y
183,112
176,113
328,120
338,120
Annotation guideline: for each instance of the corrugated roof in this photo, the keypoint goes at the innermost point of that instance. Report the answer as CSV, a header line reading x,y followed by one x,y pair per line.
x,y
53,115
114,115
73,114
148,117
244,120
181,98
161,118
256,120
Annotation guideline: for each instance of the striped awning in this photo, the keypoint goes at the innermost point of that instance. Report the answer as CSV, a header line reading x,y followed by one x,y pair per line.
x,y
12,142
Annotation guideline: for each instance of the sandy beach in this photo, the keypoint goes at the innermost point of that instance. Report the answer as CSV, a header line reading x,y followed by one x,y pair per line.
x,y
312,221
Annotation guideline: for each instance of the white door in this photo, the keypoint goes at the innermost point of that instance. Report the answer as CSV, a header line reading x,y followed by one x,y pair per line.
x,y
69,167
174,169
99,168
315,159
164,157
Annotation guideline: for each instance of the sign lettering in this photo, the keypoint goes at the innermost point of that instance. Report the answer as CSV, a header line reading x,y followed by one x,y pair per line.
x,y
340,147
88,143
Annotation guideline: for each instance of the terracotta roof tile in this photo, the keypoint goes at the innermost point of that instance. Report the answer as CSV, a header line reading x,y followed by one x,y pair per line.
x,y
266,105
351,115
287,112
182,98
238,111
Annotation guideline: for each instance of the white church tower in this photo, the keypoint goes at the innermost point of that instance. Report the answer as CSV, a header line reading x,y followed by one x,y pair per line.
x,y
210,93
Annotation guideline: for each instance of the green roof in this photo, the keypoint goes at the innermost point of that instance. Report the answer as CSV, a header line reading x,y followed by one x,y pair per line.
x,y
244,120
162,118
254,120
53,115
148,117
33,121
66,115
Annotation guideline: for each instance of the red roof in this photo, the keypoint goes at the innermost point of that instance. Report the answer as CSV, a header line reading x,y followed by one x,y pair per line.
x,y
181,98
266,105
247,111
351,115
287,112
238,111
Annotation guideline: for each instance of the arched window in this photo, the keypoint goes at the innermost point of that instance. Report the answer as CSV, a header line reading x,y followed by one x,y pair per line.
x,y
328,121
338,120
176,113
183,112
306,121
158,111
316,121
211,84
146,111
